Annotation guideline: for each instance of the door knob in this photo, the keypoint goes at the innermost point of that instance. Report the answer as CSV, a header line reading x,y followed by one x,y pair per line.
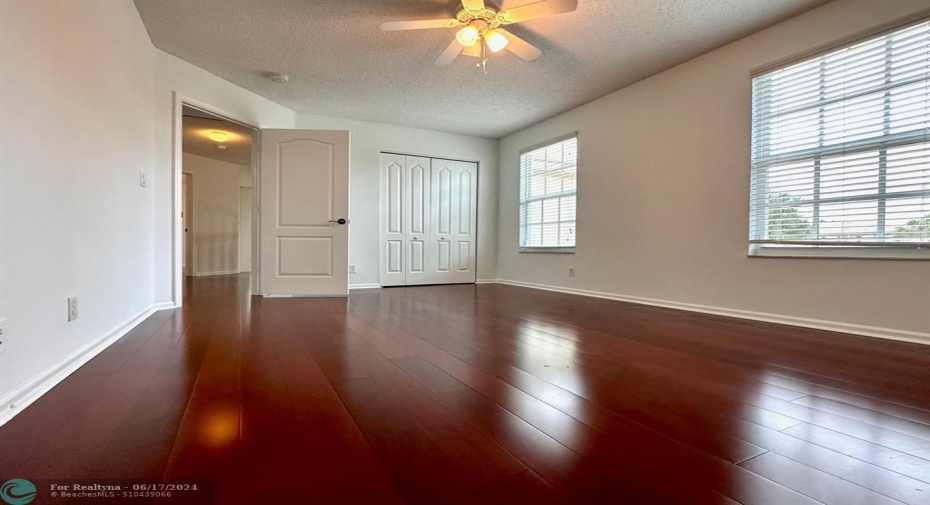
x,y
339,221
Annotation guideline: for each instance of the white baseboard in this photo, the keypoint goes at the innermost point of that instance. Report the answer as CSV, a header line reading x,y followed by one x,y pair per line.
x,y
15,401
364,286
819,324
163,306
486,281
210,274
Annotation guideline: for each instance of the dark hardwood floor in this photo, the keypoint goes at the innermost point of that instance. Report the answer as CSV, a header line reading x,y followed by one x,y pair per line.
x,y
484,394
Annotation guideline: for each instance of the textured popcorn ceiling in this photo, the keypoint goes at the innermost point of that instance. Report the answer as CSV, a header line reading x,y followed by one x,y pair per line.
x,y
342,65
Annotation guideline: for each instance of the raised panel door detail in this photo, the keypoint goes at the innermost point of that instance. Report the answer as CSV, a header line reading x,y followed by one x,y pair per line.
x,y
418,198
395,256
443,202
395,201
417,259
305,256
464,215
464,256
444,256
305,182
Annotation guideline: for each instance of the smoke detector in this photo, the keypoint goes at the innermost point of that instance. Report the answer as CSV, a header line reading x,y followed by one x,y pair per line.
x,y
279,78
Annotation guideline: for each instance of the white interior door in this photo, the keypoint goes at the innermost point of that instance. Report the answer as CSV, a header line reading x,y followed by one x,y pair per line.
x,y
304,212
428,220
465,225
393,219
440,261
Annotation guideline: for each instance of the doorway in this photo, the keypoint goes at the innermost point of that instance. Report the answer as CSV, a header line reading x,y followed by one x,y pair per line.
x,y
299,246
216,162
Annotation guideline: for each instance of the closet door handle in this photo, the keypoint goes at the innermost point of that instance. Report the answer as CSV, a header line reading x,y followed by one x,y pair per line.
x,y
339,221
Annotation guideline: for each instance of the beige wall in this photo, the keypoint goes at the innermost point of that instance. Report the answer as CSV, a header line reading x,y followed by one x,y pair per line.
x,y
216,215
76,89
367,141
663,198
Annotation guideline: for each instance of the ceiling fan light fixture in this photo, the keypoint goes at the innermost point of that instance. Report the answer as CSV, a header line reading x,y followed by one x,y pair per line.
x,y
495,40
468,36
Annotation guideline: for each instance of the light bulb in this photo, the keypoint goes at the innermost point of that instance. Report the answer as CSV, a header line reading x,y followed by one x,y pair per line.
x,y
218,136
496,40
468,36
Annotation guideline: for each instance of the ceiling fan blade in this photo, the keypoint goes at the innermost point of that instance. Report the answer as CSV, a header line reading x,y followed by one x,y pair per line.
x,y
474,50
391,26
473,5
451,52
520,47
537,10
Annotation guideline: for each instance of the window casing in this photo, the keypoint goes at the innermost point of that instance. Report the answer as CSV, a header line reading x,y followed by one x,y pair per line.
x,y
548,196
841,148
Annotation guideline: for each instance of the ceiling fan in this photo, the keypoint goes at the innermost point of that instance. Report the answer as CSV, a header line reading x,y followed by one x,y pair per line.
x,y
480,28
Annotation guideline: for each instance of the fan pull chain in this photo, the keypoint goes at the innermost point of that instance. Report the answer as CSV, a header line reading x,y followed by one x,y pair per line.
x,y
483,64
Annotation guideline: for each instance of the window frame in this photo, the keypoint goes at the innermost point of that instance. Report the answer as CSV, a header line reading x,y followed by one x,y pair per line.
x,y
776,249
520,203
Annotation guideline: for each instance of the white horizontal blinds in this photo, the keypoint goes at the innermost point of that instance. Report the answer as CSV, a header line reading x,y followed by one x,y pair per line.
x,y
841,146
547,195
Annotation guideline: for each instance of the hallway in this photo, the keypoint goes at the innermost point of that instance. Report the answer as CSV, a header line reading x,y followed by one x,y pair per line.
x,y
484,394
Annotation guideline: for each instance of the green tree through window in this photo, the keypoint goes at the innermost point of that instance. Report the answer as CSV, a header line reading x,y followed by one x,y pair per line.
x,y
915,228
784,221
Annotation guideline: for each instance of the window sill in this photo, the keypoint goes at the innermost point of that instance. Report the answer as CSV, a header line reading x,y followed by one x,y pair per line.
x,y
550,250
840,252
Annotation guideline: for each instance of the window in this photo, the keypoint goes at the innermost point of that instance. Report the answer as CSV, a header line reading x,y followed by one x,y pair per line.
x,y
841,147
547,196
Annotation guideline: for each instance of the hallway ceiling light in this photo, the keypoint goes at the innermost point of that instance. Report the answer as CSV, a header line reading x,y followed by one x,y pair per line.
x,y
217,136
222,147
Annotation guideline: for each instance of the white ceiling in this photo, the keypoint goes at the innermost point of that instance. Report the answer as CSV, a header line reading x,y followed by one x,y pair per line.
x,y
341,64
196,126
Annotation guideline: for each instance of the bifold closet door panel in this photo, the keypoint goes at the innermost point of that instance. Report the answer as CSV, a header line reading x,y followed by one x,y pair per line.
x,y
440,254
465,225
393,227
417,237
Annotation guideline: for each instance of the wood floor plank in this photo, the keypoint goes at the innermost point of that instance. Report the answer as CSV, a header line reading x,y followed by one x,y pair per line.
x,y
878,455
814,483
869,416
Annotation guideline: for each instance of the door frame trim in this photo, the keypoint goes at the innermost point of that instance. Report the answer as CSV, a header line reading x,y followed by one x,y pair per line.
x,y
177,139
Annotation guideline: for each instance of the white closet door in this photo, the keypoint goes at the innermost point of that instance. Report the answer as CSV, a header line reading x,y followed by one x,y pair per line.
x,y
428,220
418,233
393,216
440,254
465,226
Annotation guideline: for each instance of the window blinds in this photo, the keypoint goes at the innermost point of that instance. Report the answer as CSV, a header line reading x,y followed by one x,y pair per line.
x,y
841,146
547,195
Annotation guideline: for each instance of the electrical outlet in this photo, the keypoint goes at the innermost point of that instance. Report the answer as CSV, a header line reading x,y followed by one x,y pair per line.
x,y
571,271
141,178
72,308
351,269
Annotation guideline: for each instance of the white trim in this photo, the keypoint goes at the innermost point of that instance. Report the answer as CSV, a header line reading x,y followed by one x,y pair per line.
x,y
820,324
210,274
163,306
365,286
486,281
17,400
